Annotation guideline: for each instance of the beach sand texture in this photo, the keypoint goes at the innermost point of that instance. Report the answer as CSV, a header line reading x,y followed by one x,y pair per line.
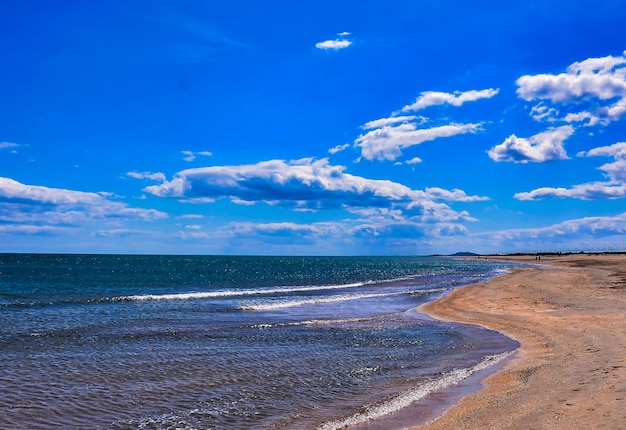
x,y
570,371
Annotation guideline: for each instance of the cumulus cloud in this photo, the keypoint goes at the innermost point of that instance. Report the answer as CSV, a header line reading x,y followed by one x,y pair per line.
x,y
306,184
387,142
613,188
41,206
336,44
545,146
434,98
590,92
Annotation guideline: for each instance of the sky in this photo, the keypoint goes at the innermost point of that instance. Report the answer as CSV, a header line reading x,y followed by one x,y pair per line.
x,y
361,127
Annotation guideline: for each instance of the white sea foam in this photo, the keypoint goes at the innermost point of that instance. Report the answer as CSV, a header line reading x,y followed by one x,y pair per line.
x,y
312,322
237,293
315,301
321,300
378,410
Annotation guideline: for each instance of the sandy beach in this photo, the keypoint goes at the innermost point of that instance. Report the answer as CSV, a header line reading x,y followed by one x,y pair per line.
x,y
570,372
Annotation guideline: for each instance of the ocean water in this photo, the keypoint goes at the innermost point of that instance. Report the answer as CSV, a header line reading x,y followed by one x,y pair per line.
x,y
221,342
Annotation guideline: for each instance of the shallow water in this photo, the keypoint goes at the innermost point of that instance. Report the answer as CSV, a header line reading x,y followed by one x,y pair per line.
x,y
203,342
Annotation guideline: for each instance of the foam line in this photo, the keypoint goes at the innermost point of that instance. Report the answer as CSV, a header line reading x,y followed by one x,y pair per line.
x,y
378,410
235,293
333,299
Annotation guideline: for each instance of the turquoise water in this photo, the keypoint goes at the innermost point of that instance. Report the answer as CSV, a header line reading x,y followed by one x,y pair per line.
x,y
220,342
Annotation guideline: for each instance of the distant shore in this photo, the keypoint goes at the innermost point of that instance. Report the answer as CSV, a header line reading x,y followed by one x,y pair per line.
x,y
569,314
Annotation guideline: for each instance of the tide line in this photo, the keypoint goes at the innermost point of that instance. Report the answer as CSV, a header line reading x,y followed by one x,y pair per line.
x,y
379,410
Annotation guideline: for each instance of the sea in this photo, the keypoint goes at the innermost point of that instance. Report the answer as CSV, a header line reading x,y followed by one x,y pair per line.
x,y
232,342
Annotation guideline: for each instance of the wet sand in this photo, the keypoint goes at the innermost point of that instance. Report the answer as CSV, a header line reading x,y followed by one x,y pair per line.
x,y
570,371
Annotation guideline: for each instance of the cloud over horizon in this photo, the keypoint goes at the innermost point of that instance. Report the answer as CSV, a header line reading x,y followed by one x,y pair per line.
x,y
43,209
614,188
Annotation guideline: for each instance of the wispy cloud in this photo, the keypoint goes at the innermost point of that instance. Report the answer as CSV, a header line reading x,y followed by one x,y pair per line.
x,y
338,148
388,136
191,155
387,142
458,98
581,230
382,122
5,145
160,177
545,146
379,229
191,216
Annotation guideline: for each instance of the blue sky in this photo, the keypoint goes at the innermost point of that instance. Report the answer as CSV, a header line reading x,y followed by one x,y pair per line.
x,y
312,127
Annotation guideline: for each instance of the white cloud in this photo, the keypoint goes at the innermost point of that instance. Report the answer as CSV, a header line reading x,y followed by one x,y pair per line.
x,y
193,235
5,145
414,160
592,91
307,184
335,44
454,195
378,123
338,148
545,146
122,232
388,136
383,230
190,155
30,229
191,216
434,98
588,191
386,143
43,206
614,188
571,230
158,176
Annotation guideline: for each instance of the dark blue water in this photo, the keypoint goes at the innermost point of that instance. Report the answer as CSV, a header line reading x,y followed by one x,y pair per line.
x,y
203,342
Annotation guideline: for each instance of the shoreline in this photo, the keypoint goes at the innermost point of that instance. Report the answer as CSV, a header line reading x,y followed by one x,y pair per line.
x,y
569,315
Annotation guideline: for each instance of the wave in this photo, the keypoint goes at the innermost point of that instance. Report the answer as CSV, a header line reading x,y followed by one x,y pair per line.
x,y
235,293
402,400
333,299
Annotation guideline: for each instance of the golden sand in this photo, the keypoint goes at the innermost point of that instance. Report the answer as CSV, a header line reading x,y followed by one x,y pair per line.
x,y
570,371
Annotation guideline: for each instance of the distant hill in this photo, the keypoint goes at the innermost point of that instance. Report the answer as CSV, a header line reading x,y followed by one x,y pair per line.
x,y
464,254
